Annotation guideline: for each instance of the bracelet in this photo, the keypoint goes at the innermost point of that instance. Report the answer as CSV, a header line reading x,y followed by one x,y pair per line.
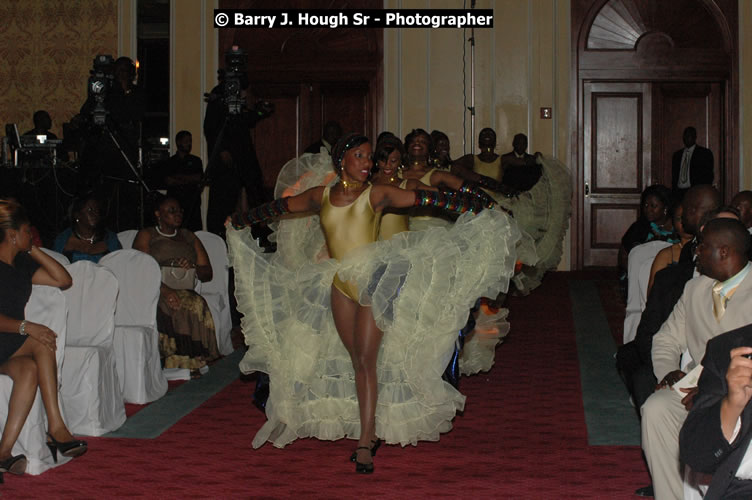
x,y
22,328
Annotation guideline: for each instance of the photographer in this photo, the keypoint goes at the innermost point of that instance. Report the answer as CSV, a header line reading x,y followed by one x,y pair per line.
x,y
112,115
233,164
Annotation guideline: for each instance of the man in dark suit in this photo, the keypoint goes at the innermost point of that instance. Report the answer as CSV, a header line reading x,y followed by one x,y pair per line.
x,y
691,165
718,431
519,155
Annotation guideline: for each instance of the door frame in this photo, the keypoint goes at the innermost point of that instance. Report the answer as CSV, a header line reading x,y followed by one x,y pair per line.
x,y
625,65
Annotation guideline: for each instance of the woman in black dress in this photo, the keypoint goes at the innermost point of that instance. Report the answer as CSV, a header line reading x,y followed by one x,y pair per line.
x,y
27,349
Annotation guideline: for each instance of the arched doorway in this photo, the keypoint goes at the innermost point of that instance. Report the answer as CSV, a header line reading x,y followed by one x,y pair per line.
x,y
642,72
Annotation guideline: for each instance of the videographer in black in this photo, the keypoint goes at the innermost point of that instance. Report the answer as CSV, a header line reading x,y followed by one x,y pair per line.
x,y
233,164
112,115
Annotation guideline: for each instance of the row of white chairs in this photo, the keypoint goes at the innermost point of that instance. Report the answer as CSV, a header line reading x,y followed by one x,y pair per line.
x,y
107,344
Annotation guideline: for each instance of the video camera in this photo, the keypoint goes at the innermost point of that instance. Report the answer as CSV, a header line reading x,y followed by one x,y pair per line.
x,y
99,85
235,79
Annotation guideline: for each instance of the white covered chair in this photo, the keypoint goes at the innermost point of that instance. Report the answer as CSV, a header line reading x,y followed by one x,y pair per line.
x,y
127,237
91,394
60,258
637,256
46,306
216,292
136,340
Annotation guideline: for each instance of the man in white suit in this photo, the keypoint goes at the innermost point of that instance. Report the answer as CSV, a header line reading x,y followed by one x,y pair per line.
x,y
717,301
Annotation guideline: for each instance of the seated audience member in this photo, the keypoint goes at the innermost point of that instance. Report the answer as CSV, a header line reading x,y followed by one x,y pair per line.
x,y
704,311
27,349
181,175
633,359
715,438
187,338
519,155
36,238
669,256
332,133
743,203
87,238
653,224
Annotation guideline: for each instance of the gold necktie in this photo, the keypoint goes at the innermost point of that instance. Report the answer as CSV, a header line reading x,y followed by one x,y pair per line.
x,y
719,301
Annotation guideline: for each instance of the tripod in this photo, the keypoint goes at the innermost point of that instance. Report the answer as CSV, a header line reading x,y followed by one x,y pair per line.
x,y
118,181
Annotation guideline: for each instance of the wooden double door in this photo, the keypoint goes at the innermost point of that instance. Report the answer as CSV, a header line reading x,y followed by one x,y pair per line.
x,y
300,111
630,131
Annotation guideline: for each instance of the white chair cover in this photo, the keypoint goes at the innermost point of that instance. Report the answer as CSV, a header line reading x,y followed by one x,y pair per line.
x,y
216,292
136,340
91,394
127,237
637,256
46,306
62,259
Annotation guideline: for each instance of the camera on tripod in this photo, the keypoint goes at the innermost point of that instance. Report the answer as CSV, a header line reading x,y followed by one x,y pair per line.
x,y
99,85
236,79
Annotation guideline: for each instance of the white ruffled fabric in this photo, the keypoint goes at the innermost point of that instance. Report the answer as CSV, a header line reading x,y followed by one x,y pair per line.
x,y
480,345
420,286
543,213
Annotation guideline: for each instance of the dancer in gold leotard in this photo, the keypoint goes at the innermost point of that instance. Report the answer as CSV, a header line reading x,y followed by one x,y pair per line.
x,y
379,297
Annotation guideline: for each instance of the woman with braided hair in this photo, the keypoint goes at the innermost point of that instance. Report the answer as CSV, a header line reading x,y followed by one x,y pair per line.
x,y
354,332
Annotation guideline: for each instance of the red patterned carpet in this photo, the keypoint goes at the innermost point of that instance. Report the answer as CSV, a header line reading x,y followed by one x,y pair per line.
x,y
522,435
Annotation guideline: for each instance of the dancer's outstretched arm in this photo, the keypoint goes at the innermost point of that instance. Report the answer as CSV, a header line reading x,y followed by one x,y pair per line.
x,y
307,201
384,196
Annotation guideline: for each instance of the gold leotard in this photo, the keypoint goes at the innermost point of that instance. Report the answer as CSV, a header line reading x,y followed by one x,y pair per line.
x,y
392,224
489,169
347,228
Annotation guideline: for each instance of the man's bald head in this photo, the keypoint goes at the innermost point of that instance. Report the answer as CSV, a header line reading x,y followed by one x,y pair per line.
x,y
698,200
743,202
723,248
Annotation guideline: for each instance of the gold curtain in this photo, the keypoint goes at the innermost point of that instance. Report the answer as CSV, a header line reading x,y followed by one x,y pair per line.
x,y
46,52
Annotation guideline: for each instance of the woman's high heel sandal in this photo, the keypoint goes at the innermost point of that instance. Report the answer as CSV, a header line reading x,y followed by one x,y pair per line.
x,y
363,468
14,465
74,448
374,447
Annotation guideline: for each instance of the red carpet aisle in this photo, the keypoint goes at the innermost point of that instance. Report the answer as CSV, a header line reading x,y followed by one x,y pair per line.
x,y
522,435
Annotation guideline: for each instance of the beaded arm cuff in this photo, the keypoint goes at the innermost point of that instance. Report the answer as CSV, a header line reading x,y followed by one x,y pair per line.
x,y
451,202
262,214
470,190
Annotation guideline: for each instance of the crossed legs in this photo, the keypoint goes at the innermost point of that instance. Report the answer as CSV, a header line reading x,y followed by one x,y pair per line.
x,y
362,339
32,365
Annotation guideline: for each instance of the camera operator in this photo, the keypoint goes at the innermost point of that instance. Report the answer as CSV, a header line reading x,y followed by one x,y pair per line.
x,y
233,164
115,106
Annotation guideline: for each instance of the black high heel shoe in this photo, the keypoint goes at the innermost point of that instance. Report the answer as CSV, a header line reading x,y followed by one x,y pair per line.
x,y
363,468
373,449
74,448
14,465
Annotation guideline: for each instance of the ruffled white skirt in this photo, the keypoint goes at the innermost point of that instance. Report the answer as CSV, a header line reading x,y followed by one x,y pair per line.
x,y
420,286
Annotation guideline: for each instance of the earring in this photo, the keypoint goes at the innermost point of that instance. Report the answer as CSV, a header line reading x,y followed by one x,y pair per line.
x,y
14,242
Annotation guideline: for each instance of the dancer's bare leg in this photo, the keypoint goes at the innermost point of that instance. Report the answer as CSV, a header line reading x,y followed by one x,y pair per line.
x,y
367,342
362,338
23,371
47,380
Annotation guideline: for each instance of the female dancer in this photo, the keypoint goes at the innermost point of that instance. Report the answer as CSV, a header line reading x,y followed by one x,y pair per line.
x,y
378,300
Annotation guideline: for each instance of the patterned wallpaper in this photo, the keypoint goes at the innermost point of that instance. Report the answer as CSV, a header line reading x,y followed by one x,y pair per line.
x,y
46,52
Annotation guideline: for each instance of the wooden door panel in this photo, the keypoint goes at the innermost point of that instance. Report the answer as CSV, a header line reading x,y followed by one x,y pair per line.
x,y
347,104
616,153
276,137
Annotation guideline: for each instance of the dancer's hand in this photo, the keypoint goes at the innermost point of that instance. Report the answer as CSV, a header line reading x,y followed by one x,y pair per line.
x,y
42,334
